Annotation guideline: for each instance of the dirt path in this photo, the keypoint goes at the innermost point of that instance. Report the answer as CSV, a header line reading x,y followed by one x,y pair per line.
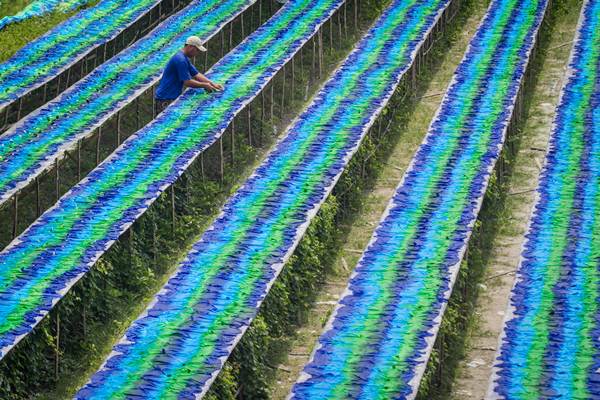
x,y
375,201
474,370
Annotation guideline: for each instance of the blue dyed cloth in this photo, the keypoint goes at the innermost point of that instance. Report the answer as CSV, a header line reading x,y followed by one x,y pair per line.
x,y
178,69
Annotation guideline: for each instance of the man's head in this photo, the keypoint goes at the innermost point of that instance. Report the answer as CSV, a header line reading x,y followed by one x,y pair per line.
x,y
193,46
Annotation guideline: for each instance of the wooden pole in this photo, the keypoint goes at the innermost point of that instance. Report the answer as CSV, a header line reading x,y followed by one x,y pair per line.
x,y
249,123
293,92
173,208
57,350
271,104
15,215
38,209
356,16
202,165
222,43
314,54
320,53
137,113
79,160
98,145
56,168
221,166
58,86
262,110
242,24
233,141
345,20
20,108
119,128
231,35
206,56
282,92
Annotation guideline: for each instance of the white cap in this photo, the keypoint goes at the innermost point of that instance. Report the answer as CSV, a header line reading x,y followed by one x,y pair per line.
x,y
196,42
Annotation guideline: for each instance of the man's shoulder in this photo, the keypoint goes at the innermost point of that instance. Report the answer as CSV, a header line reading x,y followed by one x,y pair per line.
x,y
179,58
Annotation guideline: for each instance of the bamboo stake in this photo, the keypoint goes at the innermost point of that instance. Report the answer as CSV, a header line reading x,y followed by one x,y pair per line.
x,y
222,43
56,167
345,20
206,56
293,77
98,145
320,53
79,160
282,92
232,141
202,165
242,23
221,167
15,215
119,127
57,350
249,125
271,104
38,210
173,209
19,108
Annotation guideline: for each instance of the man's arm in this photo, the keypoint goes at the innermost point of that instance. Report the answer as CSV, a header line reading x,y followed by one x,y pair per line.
x,y
192,83
203,79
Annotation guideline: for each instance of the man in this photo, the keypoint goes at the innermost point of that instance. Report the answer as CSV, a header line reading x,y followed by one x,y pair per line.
x,y
180,73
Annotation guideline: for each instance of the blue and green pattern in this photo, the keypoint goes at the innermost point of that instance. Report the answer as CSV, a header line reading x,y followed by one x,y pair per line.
x,y
377,343
40,265
33,144
49,55
550,347
40,8
177,347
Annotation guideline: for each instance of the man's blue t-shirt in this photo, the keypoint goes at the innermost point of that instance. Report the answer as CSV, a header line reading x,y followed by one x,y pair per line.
x,y
178,69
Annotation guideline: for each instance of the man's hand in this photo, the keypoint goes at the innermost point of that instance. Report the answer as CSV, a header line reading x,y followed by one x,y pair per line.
x,y
199,85
216,86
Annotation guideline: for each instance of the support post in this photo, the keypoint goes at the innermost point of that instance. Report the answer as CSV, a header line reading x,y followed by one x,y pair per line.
x,y
345,20
282,92
98,145
20,109
119,127
15,215
293,89
233,141
205,57
249,124
221,166
137,113
173,208
38,209
271,104
56,168
78,160
320,53
242,24
57,349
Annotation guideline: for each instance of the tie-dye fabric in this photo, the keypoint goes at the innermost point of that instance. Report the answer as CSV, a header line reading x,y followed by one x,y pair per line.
x,y
47,56
177,347
378,341
550,347
40,8
40,266
33,144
